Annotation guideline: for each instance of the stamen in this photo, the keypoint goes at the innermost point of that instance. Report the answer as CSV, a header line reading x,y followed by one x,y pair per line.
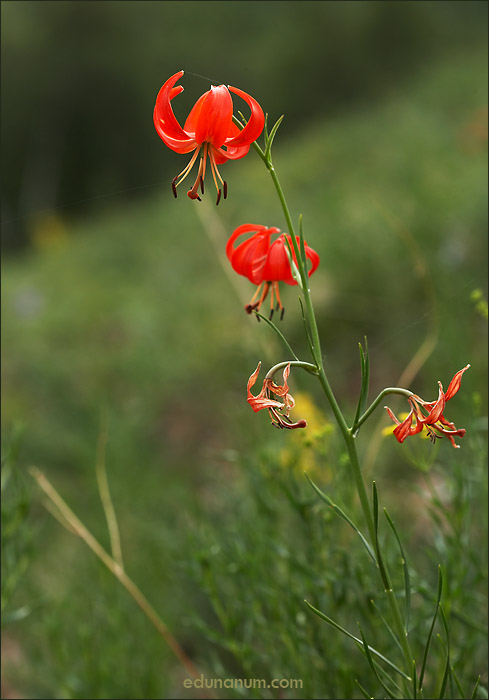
x,y
218,197
225,186
174,187
202,184
198,182
181,176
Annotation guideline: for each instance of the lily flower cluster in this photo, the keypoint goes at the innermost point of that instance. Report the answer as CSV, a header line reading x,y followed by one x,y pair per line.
x,y
265,263
210,134
429,415
208,131
279,411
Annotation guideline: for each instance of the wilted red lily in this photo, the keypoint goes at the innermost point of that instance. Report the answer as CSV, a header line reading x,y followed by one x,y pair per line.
x,y
279,412
434,421
209,131
265,263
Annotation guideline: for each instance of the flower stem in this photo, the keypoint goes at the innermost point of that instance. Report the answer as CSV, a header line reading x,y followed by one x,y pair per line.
x,y
348,433
385,392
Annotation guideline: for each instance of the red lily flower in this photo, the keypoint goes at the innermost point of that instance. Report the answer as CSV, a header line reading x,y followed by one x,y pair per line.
x,y
265,263
429,415
208,130
279,412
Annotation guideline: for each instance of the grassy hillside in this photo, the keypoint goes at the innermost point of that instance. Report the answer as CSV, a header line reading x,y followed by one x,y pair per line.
x,y
132,317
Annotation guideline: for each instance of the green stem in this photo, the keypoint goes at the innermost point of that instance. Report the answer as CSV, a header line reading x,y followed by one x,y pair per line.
x,y
293,363
375,403
348,434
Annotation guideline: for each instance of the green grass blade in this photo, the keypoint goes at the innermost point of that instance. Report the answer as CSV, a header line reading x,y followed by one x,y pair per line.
x,y
358,641
365,379
446,675
342,515
386,624
306,329
364,692
371,663
278,332
407,581
415,690
430,633
476,687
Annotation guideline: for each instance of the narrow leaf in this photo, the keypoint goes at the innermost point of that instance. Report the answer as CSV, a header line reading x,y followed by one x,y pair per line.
x,y
371,663
415,690
363,691
386,624
278,332
407,581
430,633
446,675
342,515
365,379
358,641
308,335
375,500
269,141
476,686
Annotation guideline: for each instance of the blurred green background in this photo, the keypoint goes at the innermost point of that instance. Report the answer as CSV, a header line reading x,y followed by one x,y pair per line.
x,y
117,303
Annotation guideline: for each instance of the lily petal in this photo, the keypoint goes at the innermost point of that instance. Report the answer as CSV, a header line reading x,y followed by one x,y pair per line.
x,y
454,385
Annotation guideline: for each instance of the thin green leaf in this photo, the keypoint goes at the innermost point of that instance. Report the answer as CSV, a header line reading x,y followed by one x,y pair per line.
x,y
302,245
407,581
375,500
371,663
296,274
342,515
430,633
388,627
457,683
358,641
278,332
363,691
269,141
265,128
308,335
446,675
415,690
365,379
380,560
476,686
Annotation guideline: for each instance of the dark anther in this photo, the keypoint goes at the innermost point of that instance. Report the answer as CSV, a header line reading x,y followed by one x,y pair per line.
x,y
225,189
218,197
174,187
248,308
202,184
282,314
271,314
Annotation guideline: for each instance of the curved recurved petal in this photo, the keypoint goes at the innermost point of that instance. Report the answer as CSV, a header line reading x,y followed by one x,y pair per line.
x,y
255,124
437,409
454,385
164,119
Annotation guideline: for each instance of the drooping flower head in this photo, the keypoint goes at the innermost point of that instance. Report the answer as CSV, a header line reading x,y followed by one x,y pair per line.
x,y
429,415
265,263
209,131
278,410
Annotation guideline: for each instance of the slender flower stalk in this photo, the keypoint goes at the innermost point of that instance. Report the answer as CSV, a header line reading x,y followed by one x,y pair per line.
x,y
348,433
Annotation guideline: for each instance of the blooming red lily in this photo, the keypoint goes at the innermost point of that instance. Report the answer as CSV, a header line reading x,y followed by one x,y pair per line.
x,y
279,412
209,131
265,263
434,421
